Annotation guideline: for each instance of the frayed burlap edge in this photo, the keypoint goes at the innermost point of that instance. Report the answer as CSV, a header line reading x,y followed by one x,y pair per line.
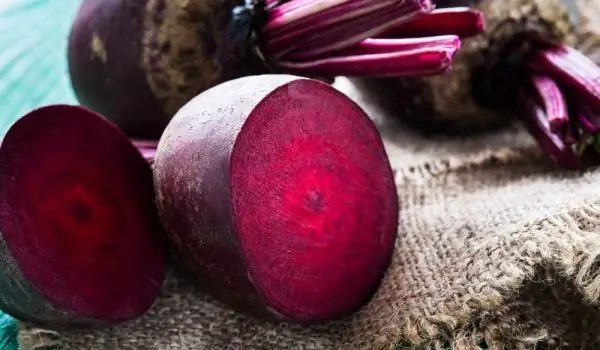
x,y
33,338
573,249
567,241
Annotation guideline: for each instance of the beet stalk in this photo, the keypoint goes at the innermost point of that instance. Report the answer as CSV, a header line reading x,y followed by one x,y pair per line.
x,y
138,61
147,148
537,121
550,97
302,230
530,48
81,242
462,21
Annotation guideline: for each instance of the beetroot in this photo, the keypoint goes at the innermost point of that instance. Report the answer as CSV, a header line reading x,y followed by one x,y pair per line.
x,y
81,243
537,61
277,193
138,61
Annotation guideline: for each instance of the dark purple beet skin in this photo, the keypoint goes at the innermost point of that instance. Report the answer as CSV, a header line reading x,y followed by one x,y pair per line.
x,y
91,66
278,196
81,244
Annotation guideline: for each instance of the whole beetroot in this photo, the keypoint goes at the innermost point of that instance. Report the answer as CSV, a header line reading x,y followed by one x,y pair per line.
x,y
138,61
527,64
278,196
81,244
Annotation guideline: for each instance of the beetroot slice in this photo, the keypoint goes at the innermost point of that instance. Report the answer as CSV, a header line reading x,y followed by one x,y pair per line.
x,y
278,194
81,241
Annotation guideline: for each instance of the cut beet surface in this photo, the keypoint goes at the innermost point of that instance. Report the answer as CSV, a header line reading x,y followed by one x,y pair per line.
x,y
81,243
278,194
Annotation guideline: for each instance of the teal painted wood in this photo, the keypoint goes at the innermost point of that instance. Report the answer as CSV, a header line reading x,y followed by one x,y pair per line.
x,y
8,333
33,73
33,65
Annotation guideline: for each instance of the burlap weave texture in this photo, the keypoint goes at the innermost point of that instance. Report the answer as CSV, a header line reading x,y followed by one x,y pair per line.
x,y
494,246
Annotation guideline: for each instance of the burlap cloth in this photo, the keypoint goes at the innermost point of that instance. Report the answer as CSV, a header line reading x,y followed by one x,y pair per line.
x,y
495,246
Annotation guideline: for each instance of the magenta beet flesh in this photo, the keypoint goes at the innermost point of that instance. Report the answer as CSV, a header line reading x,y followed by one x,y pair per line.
x,y
278,194
81,244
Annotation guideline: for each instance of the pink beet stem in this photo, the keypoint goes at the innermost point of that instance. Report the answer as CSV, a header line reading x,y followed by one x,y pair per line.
x,y
536,121
589,120
550,97
293,14
587,124
148,154
461,21
573,70
321,26
320,46
427,60
145,143
278,30
378,46
146,147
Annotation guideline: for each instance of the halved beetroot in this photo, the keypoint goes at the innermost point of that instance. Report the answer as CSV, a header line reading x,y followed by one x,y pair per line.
x,y
279,197
80,240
